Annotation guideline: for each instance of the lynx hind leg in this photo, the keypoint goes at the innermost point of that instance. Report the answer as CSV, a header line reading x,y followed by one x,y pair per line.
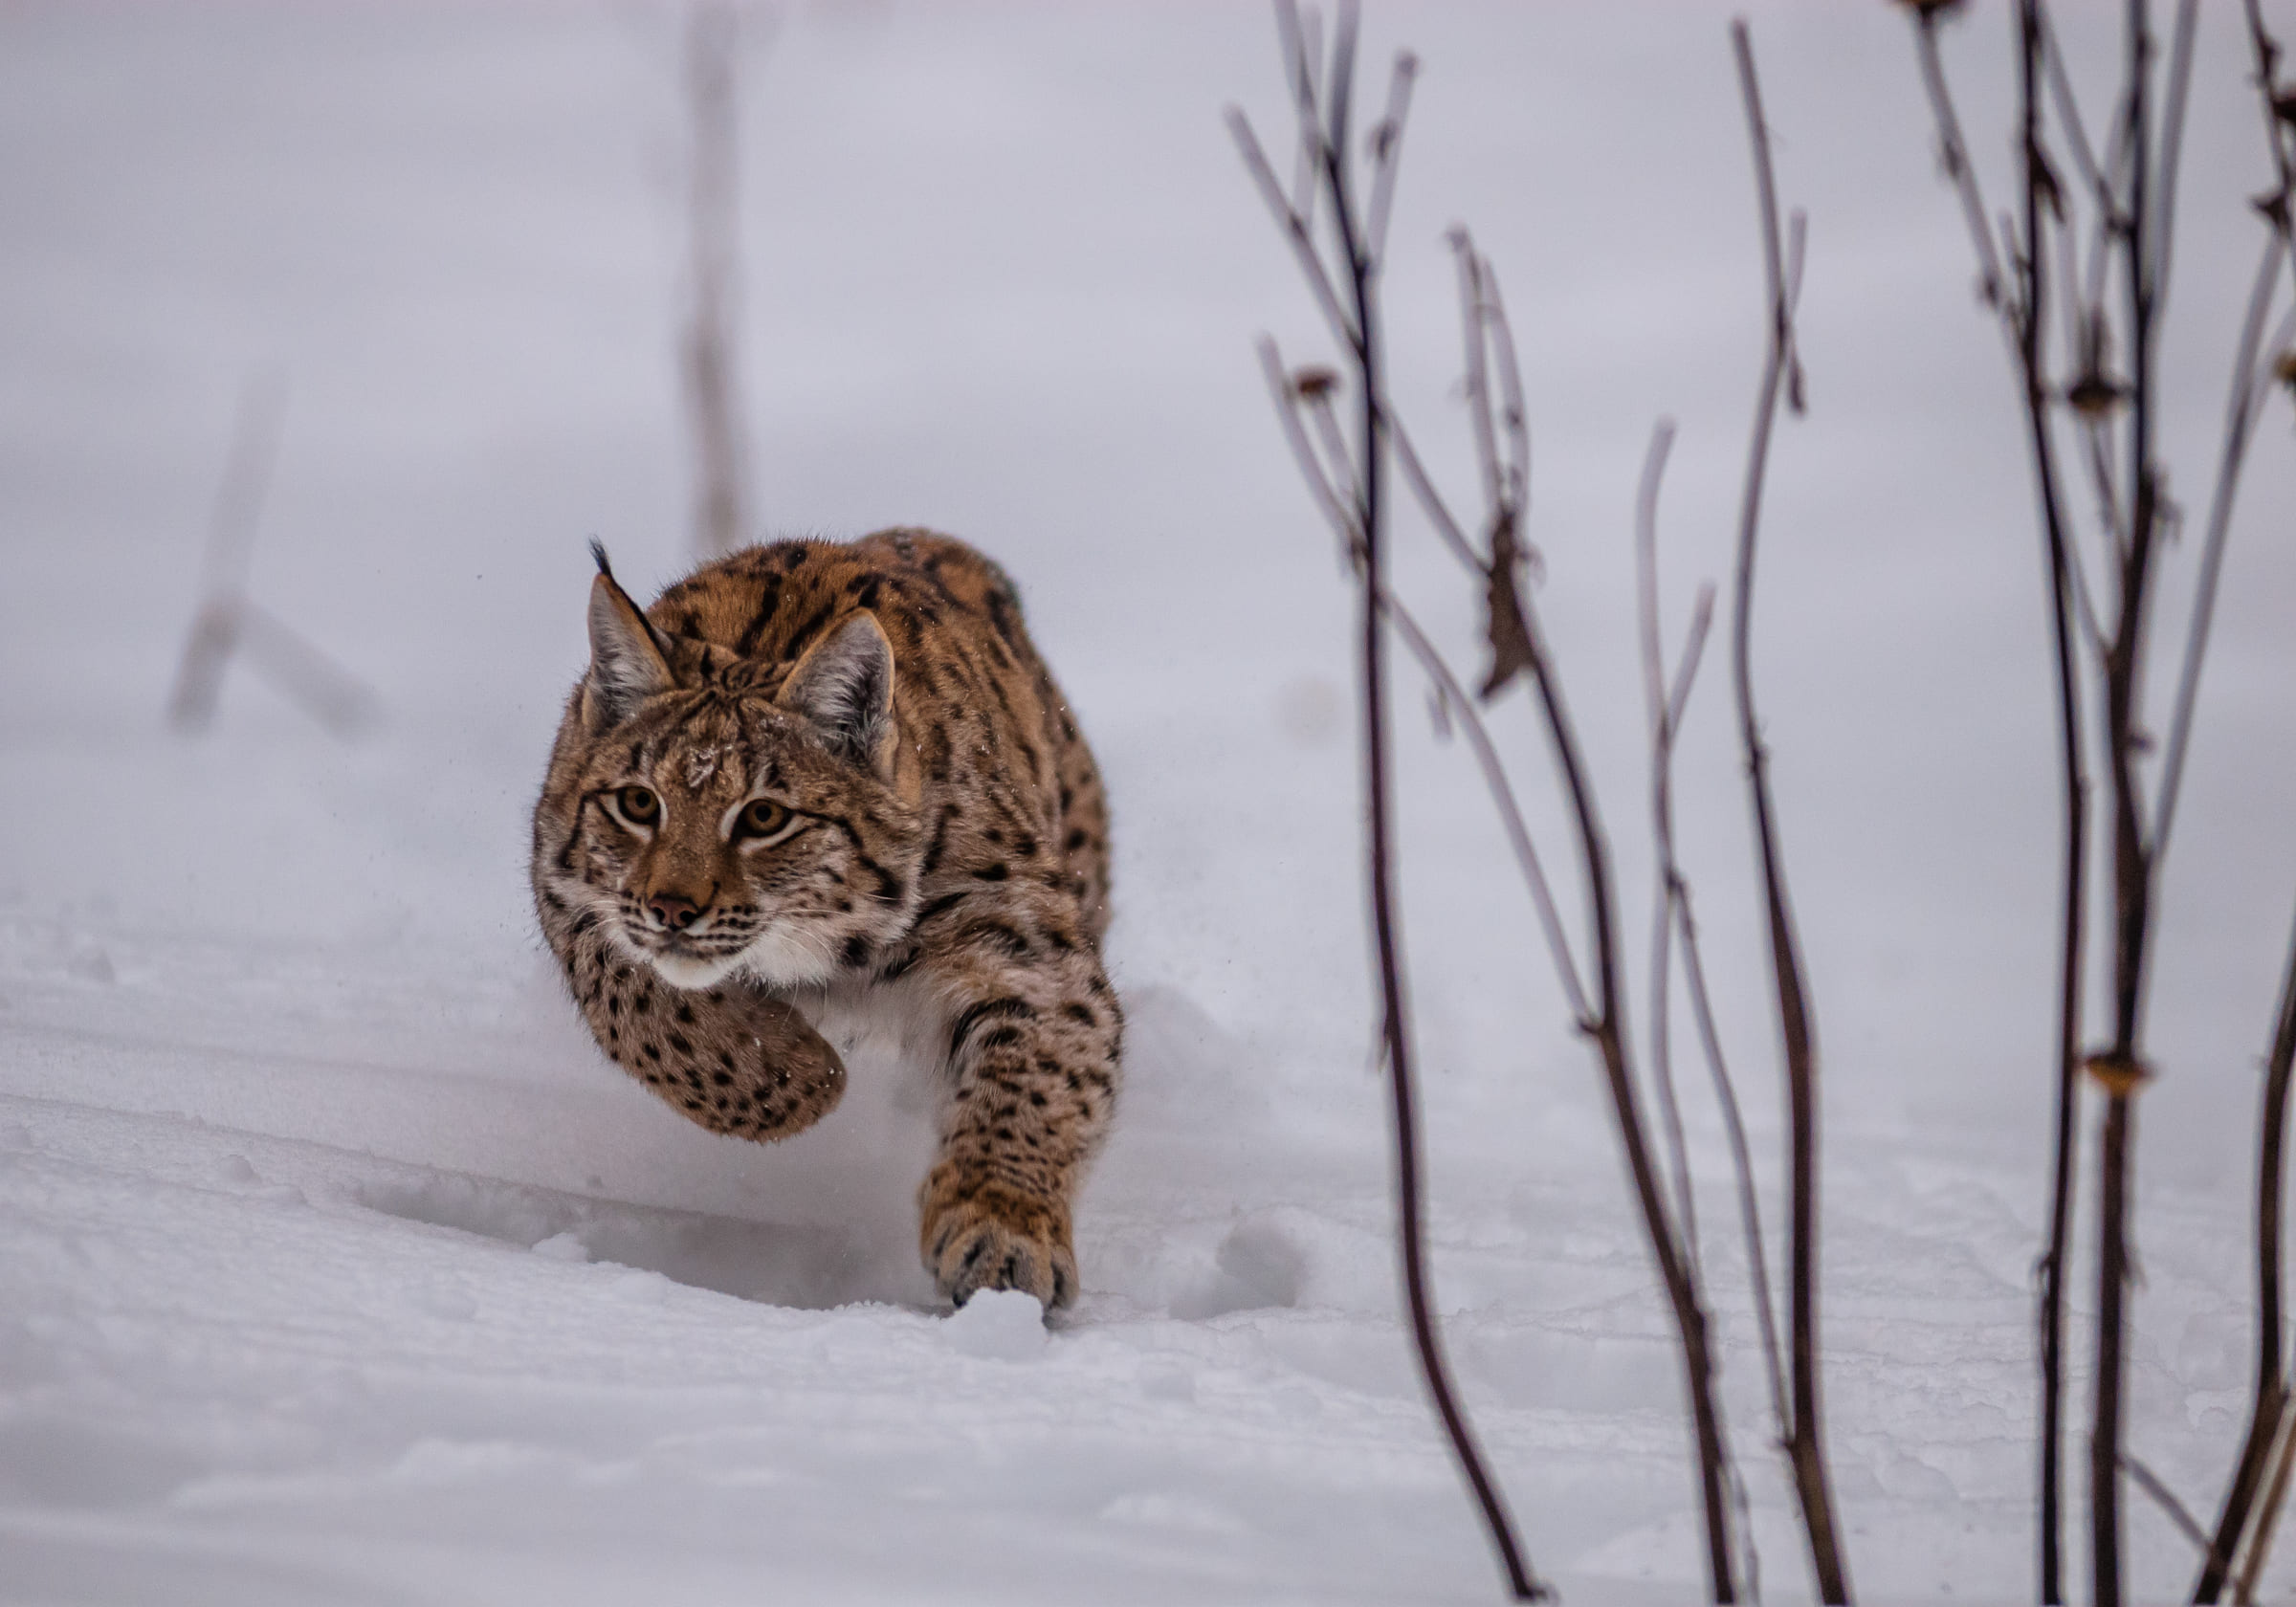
x,y
731,1058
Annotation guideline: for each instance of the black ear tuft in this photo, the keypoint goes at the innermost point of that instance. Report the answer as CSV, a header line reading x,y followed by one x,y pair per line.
x,y
629,660
844,685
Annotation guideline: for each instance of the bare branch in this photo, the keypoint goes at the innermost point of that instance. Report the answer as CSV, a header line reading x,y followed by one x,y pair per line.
x,y
2172,139
2046,200
2237,1526
1387,152
1339,90
2165,1498
1339,463
1662,824
2267,1520
1514,417
1294,229
1953,151
1462,708
1476,340
2240,418
1360,320
2280,207
1343,518
1303,57
1430,500
2068,114
1805,1441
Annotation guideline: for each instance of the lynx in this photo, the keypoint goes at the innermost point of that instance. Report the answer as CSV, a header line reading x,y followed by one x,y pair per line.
x,y
818,779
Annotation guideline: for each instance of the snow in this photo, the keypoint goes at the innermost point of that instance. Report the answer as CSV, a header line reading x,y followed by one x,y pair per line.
x,y
337,1267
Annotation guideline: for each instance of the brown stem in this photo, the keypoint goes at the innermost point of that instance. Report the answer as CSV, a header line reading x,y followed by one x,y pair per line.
x,y
1380,867
2064,585
2023,316
1805,1438
2266,50
2271,1398
1606,1031
2240,419
2112,1288
2180,1515
1665,697
2175,88
1667,701
1457,704
2267,1518
2131,853
1606,1026
1358,272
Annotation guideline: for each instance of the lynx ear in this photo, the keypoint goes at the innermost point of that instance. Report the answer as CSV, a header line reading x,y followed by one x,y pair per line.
x,y
629,660
844,685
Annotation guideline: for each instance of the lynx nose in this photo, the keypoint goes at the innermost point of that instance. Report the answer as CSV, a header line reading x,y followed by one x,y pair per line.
x,y
674,909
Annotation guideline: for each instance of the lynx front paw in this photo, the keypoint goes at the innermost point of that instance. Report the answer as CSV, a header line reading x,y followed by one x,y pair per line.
x,y
980,1235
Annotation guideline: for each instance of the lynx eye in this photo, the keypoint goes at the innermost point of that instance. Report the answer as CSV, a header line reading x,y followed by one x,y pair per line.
x,y
638,805
761,817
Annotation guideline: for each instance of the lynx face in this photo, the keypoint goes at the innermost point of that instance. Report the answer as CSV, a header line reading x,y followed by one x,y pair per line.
x,y
725,816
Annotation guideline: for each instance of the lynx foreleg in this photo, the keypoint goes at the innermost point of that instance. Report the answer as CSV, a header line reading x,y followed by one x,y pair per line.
x,y
732,1057
1034,1042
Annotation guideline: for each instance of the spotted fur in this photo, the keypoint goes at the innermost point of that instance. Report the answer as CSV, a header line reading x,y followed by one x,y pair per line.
x,y
860,775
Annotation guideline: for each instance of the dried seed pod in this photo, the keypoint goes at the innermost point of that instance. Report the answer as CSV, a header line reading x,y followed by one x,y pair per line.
x,y
2118,1074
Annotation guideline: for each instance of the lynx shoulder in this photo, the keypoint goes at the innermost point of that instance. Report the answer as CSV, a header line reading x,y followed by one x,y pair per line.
x,y
818,766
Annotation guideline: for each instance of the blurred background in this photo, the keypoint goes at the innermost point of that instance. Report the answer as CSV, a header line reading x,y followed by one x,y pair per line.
x,y
1000,274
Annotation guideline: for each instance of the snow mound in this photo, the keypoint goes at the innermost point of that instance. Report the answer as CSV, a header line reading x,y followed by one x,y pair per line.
x,y
998,1325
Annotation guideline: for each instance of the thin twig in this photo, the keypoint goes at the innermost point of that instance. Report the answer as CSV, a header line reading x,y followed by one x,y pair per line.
x,y
1667,705
1387,151
1805,1441
2177,89
1514,416
2067,591
2280,207
1430,500
2269,1410
1518,646
1295,227
2068,114
1952,150
1456,701
2175,1511
1662,706
2259,1549
1357,268
2121,1069
1302,45
2239,417
1680,1282
1475,336
1346,522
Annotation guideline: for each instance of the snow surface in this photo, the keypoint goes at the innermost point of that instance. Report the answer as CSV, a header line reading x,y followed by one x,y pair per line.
x,y
337,1267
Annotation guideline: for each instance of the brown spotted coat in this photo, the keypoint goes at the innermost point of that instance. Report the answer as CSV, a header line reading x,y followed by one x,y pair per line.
x,y
815,765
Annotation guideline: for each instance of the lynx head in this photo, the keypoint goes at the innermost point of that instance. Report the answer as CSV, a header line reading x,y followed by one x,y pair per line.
x,y
714,814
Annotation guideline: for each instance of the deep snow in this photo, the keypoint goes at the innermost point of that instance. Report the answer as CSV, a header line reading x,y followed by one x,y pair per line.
x,y
336,1266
